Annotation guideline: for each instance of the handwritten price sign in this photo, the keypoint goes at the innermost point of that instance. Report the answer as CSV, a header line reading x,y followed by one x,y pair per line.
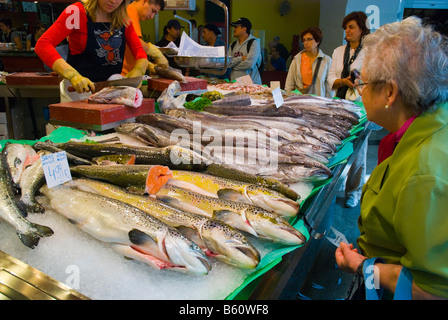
x,y
56,168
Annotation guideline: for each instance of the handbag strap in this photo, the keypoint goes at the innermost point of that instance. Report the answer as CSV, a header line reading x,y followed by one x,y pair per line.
x,y
403,289
316,71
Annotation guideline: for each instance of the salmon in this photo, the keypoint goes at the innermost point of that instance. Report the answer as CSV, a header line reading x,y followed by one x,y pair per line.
x,y
158,176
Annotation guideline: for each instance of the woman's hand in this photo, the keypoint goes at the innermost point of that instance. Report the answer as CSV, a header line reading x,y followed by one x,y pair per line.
x,y
347,258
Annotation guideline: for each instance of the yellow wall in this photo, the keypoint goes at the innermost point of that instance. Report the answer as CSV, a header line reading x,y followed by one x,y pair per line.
x,y
263,14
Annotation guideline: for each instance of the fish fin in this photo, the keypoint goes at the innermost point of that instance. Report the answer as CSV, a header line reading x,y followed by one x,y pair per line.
x,y
138,237
230,194
33,207
157,177
31,239
131,161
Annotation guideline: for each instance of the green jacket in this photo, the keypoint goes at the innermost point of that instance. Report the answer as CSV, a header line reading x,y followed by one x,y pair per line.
x,y
404,206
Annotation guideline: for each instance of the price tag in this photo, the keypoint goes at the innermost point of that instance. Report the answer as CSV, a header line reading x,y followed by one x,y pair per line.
x,y
339,237
278,98
56,168
244,80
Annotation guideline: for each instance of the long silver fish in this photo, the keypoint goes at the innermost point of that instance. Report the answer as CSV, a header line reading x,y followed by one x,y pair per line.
x,y
217,239
29,233
245,217
129,230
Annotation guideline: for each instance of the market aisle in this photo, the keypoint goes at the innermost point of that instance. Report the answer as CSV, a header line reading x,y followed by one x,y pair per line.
x,y
326,281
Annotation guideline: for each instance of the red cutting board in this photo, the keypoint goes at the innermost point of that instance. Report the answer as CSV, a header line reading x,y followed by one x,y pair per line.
x,y
32,79
192,84
97,114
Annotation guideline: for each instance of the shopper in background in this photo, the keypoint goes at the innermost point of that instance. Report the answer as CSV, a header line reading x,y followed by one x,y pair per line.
x,y
143,10
304,65
10,35
345,60
403,211
210,34
32,38
97,35
245,51
171,33
276,63
194,30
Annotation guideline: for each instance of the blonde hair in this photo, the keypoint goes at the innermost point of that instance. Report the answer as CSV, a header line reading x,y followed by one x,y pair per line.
x,y
119,17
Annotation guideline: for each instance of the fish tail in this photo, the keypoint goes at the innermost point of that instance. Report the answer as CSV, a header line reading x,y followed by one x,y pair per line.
x,y
157,177
33,207
31,238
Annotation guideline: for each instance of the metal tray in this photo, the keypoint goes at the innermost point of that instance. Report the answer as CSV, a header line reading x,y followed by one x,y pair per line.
x,y
201,62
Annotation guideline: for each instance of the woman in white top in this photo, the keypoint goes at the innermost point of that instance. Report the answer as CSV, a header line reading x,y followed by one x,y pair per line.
x,y
348,57
304,64
345,59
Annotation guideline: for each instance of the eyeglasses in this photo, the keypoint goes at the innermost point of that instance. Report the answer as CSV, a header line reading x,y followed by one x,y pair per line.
x,y
359,84
307,39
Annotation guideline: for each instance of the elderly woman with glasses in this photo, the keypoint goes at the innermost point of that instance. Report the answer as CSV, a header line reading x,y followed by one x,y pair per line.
x,y
404,220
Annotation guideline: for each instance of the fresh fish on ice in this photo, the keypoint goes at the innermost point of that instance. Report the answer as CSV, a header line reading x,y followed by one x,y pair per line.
x,y
130,231
217,239
29,233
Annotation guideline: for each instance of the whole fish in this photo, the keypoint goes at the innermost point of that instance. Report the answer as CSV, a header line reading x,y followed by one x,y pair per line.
x,y
294,173
235,191
32,179
170,73
154,136
173,156
315,152
18,157
129,230
29,233
115,159
51,147
254,220
214,237
230,172
210,185
125,95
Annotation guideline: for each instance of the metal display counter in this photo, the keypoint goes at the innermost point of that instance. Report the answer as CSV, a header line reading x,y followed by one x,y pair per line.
x,y
286,279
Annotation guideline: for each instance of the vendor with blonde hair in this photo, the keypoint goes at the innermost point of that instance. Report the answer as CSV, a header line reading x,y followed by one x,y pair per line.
x,y
97,32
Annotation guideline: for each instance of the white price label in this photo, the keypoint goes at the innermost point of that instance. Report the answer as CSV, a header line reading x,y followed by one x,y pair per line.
x,y
278,97
56,168
339,237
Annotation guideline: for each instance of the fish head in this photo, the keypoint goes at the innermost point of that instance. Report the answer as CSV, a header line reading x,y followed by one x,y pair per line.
x,y
18,157
272,226
185,254
273,201
229,245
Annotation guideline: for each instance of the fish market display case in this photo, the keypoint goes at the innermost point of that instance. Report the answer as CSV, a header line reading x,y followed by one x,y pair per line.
x,y
106,275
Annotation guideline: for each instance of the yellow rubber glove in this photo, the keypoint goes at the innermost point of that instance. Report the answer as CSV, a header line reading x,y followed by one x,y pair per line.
x,y
152,71
157,55
80,84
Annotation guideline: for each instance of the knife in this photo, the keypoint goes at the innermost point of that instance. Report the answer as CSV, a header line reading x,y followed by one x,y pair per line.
x,y
129,82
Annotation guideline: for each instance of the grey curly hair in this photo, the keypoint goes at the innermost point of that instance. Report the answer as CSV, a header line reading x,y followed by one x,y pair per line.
x,y
413,55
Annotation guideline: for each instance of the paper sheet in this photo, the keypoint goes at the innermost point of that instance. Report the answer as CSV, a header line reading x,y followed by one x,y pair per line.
x,y
190,48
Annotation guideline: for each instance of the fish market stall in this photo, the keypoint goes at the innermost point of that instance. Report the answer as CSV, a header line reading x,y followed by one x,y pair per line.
x,y
263,261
